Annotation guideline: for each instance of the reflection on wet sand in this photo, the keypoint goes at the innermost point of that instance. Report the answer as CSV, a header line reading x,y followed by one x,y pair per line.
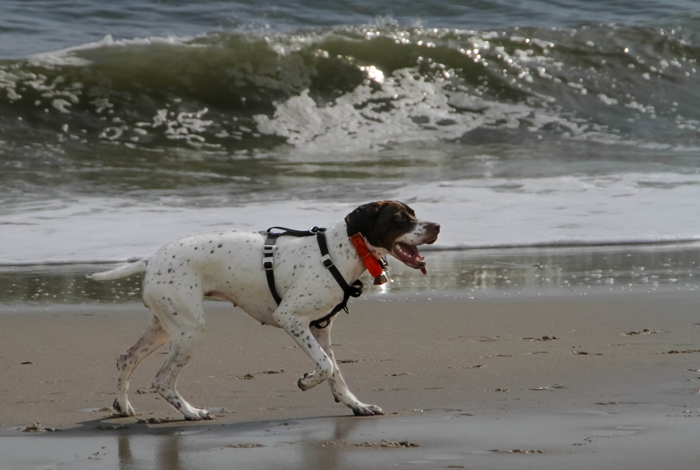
x,y
307,444
167,453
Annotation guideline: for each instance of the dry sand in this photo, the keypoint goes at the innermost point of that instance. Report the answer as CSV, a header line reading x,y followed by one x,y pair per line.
x,y
544,382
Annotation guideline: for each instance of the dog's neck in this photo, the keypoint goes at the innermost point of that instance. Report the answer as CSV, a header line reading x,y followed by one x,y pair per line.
x,y
343,253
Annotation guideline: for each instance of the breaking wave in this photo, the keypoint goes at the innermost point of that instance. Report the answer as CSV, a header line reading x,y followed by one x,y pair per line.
x,y
361,87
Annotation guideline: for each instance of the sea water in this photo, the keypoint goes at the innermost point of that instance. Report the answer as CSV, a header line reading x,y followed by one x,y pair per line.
x,y
125,125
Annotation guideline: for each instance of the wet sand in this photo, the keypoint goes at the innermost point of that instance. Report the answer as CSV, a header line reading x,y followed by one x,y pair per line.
x,y
532,381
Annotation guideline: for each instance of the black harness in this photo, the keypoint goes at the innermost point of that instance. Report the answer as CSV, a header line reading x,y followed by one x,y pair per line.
x,y
354,290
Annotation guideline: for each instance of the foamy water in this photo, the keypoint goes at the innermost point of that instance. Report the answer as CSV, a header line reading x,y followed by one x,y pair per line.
x,y
572,210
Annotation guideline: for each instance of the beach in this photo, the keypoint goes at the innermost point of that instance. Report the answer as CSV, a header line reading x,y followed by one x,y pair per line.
x,y
543,379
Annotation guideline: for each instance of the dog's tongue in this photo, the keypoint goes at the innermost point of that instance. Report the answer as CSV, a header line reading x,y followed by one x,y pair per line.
x,y
423,270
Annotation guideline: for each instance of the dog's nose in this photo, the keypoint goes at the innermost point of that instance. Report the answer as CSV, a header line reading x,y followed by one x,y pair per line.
x,y
432,230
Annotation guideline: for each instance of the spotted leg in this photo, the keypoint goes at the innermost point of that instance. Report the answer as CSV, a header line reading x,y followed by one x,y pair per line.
x,y
301,333
154,337
187,330
338,386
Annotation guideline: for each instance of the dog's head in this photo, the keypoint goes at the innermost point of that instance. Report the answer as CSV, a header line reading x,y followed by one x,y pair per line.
x,y
391,227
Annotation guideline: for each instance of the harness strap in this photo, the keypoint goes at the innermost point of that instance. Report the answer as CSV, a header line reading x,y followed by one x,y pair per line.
x,y
297,233
269,262
353,290
269,252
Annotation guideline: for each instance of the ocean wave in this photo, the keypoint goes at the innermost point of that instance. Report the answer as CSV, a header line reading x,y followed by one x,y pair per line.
x,y
359,87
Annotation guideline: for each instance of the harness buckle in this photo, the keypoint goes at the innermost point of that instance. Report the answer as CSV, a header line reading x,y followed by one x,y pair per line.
x,y
326,261
268,263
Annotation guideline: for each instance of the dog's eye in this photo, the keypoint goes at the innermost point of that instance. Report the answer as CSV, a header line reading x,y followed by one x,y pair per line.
x,y
399,218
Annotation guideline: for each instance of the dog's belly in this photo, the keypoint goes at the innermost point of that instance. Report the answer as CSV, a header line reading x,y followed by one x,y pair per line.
x,y
261,313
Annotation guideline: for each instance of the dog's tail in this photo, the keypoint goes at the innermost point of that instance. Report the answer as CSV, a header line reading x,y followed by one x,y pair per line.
x,y
122,271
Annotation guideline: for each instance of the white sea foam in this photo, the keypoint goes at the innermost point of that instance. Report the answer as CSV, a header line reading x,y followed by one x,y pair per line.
x,y
68,55
407,108
623,208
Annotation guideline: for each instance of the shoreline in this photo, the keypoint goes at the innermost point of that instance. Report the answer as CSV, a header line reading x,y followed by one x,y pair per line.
x,y
493,273
662,243
598,380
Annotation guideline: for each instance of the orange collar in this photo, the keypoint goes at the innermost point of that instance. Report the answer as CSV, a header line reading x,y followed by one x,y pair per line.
x,y
372,264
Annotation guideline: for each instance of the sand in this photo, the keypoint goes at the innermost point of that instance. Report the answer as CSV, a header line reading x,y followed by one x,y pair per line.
x,y
532,381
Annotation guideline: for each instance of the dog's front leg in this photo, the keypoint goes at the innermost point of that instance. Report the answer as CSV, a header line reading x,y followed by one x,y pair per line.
x,y
301,333
340,390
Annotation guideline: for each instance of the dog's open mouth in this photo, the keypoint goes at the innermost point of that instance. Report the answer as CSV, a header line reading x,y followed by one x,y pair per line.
x,y
410,255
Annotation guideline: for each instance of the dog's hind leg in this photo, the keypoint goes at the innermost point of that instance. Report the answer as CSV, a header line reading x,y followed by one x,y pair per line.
x,y
154,337
185,323
338,386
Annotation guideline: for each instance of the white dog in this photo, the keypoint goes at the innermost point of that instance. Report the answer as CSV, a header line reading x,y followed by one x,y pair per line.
x,y
229,265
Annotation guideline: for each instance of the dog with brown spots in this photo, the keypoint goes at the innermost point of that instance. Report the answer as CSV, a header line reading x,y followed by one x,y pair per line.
x,y
228,265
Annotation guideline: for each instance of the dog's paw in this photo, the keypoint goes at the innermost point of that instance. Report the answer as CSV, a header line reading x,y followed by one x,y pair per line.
x,y
129,411
367,410
198,414
206,415
301,383
308,381
312,379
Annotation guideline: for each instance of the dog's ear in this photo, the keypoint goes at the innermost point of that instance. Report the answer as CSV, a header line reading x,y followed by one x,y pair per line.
x,y
362,219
